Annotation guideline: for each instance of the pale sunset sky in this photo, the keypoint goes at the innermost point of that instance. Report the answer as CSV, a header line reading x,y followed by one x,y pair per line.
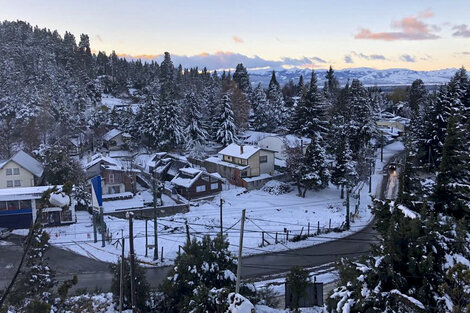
x,y
420,35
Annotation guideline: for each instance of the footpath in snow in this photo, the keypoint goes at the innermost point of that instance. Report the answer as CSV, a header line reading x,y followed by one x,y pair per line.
x,y
266,213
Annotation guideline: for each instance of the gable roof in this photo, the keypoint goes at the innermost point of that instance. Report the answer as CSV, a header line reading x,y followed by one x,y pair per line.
x,y
27,162
111,134
97,158
235,150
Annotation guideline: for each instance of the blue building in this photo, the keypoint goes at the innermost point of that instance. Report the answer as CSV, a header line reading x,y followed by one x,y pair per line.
x,y
19,207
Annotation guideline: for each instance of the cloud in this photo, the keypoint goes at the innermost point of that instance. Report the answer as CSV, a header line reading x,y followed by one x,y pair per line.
x,y
408,58
348,59
409,28
369,57
98,37
461,30
237,39
228,60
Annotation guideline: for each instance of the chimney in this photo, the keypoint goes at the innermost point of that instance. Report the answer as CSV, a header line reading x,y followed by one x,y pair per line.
x,y
241,149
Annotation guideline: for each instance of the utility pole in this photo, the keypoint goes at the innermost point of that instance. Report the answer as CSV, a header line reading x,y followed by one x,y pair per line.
x,y
131,248
347,208
102,227
155,230
188,238
221,220
370,178
95,235
240,247
121,277
146,239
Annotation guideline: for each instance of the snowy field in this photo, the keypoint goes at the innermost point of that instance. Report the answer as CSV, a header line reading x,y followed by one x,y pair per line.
x,y
264,212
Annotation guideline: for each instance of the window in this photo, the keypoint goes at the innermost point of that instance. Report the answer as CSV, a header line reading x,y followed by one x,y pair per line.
x,y
214,186
13,205
9,183
3,205
17,183
16,171
111,178
25,204
244,174
8,170
200,188
114,189
263,159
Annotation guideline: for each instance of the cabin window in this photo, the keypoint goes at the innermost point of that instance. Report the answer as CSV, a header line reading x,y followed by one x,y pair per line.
x,y
214,186
111,178
25,204
244,174
17,183
16,171
8,171
201,188
9,183
13,205
263,159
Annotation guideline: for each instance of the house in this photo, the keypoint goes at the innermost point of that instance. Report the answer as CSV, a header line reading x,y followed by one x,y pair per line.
x,y
278,144
395,124
194,183
243,165
115,177
21,170
19,207
116,139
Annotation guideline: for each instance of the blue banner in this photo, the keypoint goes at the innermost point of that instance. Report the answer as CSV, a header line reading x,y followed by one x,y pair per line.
x,y
96,192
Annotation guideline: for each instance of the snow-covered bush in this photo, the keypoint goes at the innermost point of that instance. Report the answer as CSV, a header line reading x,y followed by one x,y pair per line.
x,y
239,304
276,187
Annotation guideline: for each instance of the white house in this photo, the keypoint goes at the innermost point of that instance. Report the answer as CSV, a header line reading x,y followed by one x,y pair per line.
x,y
278,144
243,165
21,170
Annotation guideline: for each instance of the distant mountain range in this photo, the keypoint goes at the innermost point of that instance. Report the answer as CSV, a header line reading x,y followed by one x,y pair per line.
x,y
368,76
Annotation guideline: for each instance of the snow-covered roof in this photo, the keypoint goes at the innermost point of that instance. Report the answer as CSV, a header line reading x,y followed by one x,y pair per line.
x,y
239,151
252,137
97,158
256,178
26,161
291,140
111,134
24,193
186,181
190,171
219,161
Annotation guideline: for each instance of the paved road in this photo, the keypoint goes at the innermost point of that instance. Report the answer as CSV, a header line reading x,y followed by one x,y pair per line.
x,y
94,274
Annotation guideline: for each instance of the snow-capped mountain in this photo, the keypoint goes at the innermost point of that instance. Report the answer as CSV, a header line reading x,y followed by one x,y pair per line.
x,y
368,76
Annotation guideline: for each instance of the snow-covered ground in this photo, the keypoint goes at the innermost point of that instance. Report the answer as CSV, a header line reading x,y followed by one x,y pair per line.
x,y
264,212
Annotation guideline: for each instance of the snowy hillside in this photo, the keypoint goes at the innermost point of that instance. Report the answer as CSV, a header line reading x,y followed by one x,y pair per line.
x,y
368,76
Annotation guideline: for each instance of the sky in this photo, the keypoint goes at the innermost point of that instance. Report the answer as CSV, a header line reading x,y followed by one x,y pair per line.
x,y
414,34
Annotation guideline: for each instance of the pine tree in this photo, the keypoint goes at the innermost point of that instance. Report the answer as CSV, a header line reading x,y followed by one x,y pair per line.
x,y
276,102
242,79
310,117
170,132
264,116
316,175
195,132
453,180
417,96
331,88
202,276
344,173
227,132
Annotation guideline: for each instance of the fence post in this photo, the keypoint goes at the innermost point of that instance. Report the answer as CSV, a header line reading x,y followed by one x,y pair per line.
x,y
329,225
276,238
262,239
318,228
308,230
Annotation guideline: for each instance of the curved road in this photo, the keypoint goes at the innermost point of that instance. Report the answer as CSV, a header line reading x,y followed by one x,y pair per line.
x,y
94,274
